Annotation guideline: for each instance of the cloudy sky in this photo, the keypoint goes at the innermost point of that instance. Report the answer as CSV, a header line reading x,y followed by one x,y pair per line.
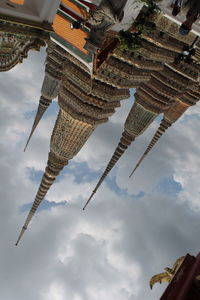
x,y
130,231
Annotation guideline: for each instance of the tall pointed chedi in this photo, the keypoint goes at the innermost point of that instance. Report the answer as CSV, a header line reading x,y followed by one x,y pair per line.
x,y
51,83
80,113
82,109
173,114
151,98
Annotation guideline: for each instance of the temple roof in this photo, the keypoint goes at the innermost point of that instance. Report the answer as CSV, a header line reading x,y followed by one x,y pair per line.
x,y
164,40
19,2
76,38
137,60
88,98
96,88
13,49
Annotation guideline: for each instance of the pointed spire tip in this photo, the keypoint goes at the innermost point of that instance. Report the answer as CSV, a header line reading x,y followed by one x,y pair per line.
x,y
39,114
89,200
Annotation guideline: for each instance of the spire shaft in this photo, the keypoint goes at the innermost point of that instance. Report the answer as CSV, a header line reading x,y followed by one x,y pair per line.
x,y
20,235
43,105
138,164
54,166
160,131
125,141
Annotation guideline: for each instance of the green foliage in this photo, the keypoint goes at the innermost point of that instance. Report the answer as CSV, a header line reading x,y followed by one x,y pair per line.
x,y
132,41
128,41
146,26
152,7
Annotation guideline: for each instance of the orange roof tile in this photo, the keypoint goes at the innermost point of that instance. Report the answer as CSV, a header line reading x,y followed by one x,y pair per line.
x,y
74,7
76,37
20,2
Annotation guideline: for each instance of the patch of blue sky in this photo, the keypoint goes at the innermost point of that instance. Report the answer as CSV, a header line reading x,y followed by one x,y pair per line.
x,y
112,184
45,205
132,92
34,175
159,119
51,110
188,117
81,172
168,186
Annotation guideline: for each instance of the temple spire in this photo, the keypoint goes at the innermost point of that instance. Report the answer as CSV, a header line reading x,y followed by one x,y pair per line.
x,y
43,105
51,83
160,131
137,121
125,141
54,166
152,97
187,99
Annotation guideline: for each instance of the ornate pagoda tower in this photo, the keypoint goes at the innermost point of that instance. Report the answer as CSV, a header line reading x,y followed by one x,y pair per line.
x,y
63,40
152,98
173,114
51,82
81,111
87,99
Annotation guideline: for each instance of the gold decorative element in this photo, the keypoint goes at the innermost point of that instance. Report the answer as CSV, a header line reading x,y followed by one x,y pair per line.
x,y
169,273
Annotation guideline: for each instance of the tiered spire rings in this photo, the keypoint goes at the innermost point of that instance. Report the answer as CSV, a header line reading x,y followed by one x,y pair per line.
x,y
171,116
51,83
155,96
151,69
43,105
54,166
